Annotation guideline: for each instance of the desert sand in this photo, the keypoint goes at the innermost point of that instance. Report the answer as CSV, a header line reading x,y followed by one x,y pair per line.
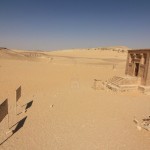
x,y
67,113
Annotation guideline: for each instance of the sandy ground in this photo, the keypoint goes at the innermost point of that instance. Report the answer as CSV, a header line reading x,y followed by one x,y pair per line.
x,y
67,113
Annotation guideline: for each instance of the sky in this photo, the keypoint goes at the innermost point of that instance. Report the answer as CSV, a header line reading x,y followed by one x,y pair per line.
x,y
67,24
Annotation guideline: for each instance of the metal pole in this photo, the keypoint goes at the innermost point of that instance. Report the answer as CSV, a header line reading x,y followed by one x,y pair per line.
x,y
8,121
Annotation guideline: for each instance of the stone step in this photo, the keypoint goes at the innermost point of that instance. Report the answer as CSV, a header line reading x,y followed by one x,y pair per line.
x,y
122,83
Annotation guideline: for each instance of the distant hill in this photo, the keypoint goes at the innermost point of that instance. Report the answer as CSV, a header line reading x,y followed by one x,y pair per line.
x,y
113,48
36,55
3,48
20,54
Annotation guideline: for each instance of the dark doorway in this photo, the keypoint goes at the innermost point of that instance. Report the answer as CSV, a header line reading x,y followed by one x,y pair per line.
x,y
136,69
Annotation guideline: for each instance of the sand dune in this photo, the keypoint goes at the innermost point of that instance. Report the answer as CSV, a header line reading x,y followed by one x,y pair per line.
x,y
67,113
21,55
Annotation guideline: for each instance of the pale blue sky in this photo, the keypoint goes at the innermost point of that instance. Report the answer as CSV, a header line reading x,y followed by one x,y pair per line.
x,y
63,24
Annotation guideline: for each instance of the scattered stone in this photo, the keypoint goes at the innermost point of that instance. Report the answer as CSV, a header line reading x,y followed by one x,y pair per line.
x,y
51,106
145,123
98,85
139,128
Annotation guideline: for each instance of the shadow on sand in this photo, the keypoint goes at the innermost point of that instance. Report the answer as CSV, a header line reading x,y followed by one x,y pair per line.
x,y
26,107
19,124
